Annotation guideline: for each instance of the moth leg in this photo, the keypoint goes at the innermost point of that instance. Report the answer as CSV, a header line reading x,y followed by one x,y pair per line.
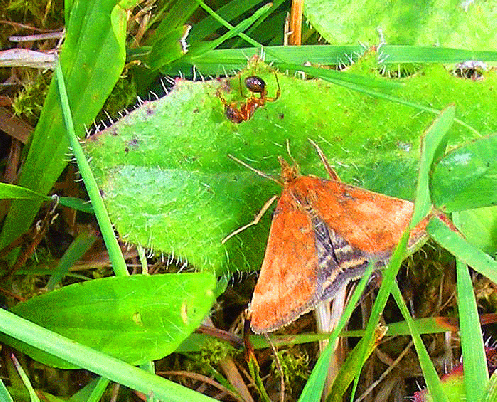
x,y
331,172
254,222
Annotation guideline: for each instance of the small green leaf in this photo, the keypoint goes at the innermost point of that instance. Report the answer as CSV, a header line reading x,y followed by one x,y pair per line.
x,y
166,49
466,178
76,203
136,318
491,392
480,228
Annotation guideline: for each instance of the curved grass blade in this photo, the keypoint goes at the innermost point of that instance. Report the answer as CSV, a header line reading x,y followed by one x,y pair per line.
x,y
97,362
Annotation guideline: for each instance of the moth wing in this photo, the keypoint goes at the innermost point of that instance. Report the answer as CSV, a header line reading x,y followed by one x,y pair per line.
x,y
369,221
338,262
287,283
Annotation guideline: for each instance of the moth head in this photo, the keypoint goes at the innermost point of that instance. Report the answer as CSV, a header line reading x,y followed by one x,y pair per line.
x,y
289,173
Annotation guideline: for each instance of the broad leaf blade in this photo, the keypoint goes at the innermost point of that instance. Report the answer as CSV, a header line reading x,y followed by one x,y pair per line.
x,y
136,318
403,22
97,362
169,185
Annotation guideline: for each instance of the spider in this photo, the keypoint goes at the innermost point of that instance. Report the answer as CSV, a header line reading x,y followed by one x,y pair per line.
x,y
256,85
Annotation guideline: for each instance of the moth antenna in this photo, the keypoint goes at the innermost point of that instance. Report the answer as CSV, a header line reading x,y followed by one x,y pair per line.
x,y
259,172
331,172
256,220
290,154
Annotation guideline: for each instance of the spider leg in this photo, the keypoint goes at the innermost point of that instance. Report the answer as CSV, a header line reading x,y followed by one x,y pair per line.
x,y
278,92
221,98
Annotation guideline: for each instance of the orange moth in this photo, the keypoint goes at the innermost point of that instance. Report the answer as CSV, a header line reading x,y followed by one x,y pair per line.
x,y
323,234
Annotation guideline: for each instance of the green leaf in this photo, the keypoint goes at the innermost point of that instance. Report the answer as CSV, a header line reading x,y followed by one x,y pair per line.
x,y
169,185
166,41
197,52
219,61
480,228
228,12
466,178
11,191
136,318
33,397
388,281
403,22
76,203
166,49
92,392
97,362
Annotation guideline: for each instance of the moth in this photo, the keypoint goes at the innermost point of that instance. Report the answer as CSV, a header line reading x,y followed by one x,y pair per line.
x,y
323,234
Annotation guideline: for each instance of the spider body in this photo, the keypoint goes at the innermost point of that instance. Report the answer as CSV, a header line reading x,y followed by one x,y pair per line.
x,y
256,85
239,112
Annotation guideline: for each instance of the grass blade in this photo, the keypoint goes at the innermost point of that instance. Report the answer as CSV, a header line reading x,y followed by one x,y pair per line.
x,y
115,254
433,144
459,247
80,245
473,348
99,363
429,372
